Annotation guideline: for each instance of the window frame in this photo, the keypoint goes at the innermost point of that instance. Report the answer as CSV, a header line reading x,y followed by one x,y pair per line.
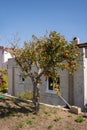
x,y
47,88
21,79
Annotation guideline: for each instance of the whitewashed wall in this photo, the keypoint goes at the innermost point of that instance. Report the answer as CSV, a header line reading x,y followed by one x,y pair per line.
x,y
74,87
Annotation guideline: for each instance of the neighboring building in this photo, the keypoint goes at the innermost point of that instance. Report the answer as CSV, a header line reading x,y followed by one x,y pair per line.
x,y
73,89
4,56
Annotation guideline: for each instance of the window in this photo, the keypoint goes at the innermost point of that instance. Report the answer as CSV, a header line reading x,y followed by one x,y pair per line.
x,y
50,84
85,52
21,78
50,87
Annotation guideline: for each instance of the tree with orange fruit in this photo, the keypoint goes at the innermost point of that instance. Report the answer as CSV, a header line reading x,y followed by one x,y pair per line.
x,y
46,54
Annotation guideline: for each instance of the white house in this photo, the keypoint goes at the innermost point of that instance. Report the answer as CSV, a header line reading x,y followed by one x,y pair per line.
x,y
4,56
73,89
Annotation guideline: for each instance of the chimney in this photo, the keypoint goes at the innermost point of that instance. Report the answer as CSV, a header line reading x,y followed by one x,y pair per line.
x,y
76,40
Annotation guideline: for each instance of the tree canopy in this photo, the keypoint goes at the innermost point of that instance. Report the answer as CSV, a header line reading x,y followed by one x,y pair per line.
x,y
47,54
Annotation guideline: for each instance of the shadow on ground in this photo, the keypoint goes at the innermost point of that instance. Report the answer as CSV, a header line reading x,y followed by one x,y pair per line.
x,y
13,107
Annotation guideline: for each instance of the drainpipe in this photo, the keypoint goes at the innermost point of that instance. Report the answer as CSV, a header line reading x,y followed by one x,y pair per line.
x,y
71,89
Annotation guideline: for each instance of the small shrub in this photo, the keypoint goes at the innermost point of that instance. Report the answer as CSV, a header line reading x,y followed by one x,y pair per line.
x,y
70,129
47,113
69,115
20,124
79,119
13,99
3,81
14,113
33,117
29,122
50,127
26,95
57,119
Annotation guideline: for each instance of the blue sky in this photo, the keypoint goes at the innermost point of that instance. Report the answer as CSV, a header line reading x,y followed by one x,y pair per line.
x,y
27,17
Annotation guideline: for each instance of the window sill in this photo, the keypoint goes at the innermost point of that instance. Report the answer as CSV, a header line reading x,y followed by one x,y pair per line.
x,y
21,82
51,91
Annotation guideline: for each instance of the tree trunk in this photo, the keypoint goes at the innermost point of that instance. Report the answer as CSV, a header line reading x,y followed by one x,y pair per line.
x,y
36,92
36,96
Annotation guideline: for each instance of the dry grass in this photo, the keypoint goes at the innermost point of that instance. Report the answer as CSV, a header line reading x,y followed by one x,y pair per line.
x,y
16,115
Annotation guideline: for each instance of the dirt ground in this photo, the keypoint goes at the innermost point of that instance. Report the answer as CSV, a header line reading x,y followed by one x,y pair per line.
x,y
16,115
